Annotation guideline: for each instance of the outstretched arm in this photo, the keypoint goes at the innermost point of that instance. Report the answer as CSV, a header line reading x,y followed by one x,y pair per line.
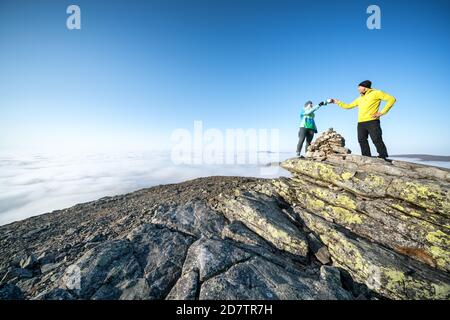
x,y
345,105
313,109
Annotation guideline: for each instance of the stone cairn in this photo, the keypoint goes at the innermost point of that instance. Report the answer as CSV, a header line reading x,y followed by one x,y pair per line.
x,y
328,144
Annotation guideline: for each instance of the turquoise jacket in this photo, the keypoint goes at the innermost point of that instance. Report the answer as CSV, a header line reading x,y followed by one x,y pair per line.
x,y
307,118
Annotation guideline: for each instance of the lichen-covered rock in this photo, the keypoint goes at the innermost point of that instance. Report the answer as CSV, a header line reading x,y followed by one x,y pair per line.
x,y
376,217
427,192
380,269
265,217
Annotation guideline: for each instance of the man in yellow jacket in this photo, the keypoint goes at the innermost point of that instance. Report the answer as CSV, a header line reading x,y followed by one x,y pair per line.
x,y
369,116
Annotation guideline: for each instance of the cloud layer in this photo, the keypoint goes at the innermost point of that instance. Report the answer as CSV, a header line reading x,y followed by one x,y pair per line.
x,y
35,184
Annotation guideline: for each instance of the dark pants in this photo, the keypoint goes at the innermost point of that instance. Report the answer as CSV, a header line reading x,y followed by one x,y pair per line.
x,y
303,134
372,128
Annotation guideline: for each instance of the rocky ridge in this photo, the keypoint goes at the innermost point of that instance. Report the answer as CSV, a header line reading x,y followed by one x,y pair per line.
x,y
341,227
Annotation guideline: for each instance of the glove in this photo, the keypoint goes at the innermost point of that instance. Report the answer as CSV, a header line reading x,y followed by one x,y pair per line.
x,y
322,103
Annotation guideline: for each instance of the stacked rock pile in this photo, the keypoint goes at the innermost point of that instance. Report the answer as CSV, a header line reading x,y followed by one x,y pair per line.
x,y
328,143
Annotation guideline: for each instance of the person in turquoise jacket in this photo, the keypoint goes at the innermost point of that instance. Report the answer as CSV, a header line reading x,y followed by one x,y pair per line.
x,y
307,125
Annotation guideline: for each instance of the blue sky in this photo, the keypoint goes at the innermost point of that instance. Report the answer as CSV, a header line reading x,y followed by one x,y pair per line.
x,y
137,70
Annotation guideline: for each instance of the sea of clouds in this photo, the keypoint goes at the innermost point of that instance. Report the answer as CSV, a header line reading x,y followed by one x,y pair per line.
x,y
34,184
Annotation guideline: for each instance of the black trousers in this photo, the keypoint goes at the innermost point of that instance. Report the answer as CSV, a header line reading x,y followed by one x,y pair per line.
x,y
372,128
304,134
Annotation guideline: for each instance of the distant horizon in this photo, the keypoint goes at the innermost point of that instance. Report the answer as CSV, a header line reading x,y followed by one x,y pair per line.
x,y
446,157
4,152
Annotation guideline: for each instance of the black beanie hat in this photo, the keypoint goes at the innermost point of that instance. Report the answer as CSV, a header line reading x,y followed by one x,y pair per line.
x,y
366,84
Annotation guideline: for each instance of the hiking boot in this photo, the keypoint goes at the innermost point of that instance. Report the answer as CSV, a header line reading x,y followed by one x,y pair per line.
x,y
385,159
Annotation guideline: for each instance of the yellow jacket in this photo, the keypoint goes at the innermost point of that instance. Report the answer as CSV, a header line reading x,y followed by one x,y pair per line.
x,y
369,103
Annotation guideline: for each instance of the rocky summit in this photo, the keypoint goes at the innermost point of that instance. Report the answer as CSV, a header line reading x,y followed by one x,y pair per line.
x,y
344,227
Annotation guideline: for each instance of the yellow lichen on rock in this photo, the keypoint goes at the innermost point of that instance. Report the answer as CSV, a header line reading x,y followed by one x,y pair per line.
x,y
440,256
377,268
340,199
347,175
346,216
387,223
426,195
439,237
266,219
